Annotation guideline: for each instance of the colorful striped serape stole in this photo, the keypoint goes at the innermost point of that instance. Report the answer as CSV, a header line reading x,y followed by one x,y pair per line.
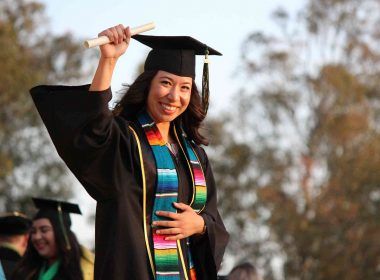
x,y
199,198
166,252
200,192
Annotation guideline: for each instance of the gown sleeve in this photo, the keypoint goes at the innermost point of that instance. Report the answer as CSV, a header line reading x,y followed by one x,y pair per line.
x,y
87,136
209,248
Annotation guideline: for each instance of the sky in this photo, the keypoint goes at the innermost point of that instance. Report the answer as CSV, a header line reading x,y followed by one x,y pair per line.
x,y
223,25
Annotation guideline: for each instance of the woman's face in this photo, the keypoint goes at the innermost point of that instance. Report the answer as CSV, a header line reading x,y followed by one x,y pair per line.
x,y
43,239
168,97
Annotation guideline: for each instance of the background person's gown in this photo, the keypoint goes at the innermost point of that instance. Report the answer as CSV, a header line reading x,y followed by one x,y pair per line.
x,y
9,259
102,153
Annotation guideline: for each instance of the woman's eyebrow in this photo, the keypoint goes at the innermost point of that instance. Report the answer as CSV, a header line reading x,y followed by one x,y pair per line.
x,y
171,79
45,227
166,77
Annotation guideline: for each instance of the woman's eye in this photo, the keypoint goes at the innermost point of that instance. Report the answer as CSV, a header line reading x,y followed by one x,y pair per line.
x,y
165,83
45,230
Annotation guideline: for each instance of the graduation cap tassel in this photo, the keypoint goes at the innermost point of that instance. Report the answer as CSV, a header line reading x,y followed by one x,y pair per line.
x,y
205,83
60,217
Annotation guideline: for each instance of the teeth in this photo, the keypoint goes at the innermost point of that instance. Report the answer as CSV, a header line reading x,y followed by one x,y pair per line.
x,y
167,107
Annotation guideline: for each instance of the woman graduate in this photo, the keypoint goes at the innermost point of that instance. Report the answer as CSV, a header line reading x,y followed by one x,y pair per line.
x,y
156,214
53,251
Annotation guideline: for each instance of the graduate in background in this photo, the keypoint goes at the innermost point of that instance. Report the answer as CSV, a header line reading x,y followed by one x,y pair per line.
x,y
14,235
244,271
53,251
143,163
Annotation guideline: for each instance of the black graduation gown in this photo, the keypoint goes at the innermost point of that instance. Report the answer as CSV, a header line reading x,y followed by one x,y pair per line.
x,y
9,259
103,153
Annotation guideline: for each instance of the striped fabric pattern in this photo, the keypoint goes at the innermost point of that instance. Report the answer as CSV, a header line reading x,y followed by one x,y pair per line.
x,y
165,252
166,255
200,192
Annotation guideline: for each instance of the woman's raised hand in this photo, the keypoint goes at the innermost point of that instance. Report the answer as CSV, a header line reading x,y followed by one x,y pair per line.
x,y
119,37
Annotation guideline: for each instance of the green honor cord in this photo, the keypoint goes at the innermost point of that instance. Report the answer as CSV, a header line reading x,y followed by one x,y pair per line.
x,y
51,272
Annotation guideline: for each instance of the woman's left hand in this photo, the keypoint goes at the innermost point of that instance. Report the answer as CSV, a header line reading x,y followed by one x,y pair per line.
x,y
181,225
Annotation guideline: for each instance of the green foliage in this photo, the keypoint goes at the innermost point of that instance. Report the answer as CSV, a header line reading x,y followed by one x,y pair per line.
x,y
299,177
31,55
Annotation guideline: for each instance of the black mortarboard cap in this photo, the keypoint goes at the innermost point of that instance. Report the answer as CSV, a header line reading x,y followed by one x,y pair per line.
x,y
176,55
55,209
14,223
44,204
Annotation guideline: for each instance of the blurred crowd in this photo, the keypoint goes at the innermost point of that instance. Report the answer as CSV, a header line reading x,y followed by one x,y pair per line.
x,y
44,247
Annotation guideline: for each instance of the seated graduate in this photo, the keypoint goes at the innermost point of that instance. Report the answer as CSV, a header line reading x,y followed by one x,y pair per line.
x,y
53,251
14,235
143,163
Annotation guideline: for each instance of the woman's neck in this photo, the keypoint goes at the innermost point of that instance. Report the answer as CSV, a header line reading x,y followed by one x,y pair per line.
x,y
51,261
164,129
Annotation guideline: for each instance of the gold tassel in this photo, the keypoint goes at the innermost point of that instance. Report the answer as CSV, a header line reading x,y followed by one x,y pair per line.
x,y
60,217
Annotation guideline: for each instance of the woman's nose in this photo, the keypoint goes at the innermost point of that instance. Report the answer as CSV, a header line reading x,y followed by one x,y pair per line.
x,y
174,93
36,235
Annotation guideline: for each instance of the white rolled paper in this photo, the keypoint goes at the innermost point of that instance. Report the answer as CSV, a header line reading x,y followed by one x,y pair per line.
x,y
102,40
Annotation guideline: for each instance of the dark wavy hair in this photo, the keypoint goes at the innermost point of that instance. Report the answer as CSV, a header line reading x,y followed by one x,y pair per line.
x,y
32,262
134,100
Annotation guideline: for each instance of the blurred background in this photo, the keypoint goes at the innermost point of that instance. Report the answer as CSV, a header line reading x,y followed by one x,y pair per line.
x,y
293,123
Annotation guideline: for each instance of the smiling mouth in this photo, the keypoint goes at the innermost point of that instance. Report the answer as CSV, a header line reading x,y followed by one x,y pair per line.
x,y
39,246
168,107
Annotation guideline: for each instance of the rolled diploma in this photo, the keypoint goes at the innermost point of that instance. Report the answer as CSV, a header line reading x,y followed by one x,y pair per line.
x,y
102,40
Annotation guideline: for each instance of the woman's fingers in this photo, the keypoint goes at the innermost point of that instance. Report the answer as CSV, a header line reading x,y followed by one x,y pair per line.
x,y
172,233
169,231
175,237
127,35
182,206
167,214
166,224
107,33
120,33
117,34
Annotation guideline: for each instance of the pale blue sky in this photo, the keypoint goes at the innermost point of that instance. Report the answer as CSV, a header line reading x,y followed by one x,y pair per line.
x,y
222,24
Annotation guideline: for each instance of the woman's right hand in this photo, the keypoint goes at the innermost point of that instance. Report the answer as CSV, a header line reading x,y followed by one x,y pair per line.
x,y
119,37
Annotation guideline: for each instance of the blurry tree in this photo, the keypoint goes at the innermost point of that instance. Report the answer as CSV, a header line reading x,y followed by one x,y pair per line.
x,y
31,55
297,161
